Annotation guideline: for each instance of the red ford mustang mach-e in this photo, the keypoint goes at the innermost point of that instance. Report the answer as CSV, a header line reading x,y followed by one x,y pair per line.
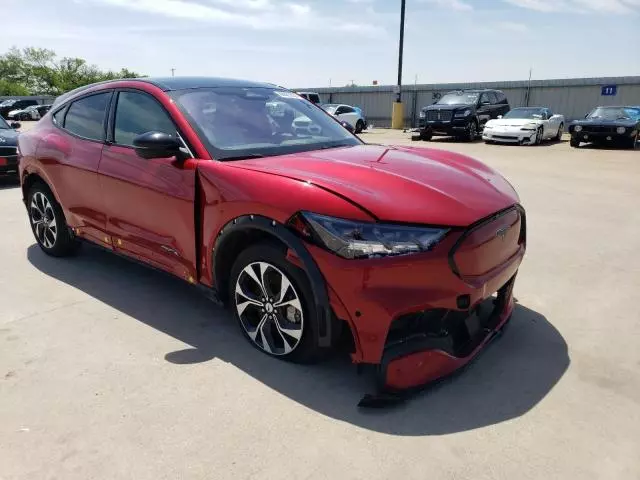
x,y
308,234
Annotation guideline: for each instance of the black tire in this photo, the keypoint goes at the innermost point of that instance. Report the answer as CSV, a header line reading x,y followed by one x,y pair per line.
x,y
426,135
306,350
560,132
539,136
359,126
472,131
60,243
574,142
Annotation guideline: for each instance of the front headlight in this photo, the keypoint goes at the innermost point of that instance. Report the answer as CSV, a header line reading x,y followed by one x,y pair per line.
x,y
529,126
422,115
578,128
466,113
352,239
621,130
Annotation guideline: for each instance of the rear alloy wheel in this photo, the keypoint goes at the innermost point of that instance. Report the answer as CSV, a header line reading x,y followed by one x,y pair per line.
x,y
48,223
560,133
269,298
359,126
539,136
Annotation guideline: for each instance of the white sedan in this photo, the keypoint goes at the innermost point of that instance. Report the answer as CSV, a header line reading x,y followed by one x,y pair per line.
x,y
347,113
525,126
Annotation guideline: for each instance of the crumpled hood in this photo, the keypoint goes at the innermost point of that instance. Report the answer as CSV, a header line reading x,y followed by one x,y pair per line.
x,y
399,184
8,137
513,122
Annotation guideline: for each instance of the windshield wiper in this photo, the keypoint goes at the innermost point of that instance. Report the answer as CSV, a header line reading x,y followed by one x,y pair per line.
x,y
326,147
242,157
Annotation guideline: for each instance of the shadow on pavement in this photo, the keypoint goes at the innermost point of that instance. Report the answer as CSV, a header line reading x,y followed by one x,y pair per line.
x,y
507,380
9,182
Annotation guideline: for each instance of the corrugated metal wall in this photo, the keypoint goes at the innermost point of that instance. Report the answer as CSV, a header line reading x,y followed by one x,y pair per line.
x,y
571,97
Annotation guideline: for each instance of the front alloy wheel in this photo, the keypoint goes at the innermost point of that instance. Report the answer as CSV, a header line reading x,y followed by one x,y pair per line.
x,y
539,136
269,308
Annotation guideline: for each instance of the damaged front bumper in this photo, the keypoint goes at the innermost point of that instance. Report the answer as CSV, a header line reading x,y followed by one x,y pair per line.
x,y
427,346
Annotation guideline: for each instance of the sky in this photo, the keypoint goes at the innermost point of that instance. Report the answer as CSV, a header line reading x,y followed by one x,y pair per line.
x,y
318,43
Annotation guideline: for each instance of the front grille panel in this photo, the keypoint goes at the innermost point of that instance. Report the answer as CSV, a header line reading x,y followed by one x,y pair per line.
x,y
599,129
439,115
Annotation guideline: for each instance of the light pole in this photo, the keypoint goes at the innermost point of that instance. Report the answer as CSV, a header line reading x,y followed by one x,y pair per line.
x,y
397,112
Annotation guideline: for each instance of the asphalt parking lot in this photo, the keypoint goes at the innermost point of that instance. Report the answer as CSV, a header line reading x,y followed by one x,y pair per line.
x,y
111,370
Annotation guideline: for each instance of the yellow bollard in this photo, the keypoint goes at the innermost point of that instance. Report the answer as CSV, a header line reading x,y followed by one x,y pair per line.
x,y
397,116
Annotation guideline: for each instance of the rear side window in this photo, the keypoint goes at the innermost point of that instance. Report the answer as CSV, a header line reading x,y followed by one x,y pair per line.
x,y
314,98
85,117
138,113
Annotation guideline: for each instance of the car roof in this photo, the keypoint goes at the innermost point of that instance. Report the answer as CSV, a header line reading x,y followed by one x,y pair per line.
x,y
172,83
185,83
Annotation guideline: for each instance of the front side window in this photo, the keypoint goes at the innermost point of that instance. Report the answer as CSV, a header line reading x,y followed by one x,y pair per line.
x,y
138,113
85,117
237,122
484,98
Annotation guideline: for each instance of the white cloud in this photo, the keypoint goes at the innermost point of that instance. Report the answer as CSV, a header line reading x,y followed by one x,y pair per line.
x,y
452,4
255,14
579,6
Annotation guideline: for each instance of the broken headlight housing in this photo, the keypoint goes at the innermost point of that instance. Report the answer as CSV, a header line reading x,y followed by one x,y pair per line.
x,y
354,239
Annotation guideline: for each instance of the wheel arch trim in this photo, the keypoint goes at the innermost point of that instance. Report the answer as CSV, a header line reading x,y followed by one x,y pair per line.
x,y
247,223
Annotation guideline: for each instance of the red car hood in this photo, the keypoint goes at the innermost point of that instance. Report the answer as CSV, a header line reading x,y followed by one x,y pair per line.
x,y
400,184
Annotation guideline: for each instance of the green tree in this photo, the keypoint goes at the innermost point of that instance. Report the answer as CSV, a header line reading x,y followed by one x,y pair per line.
x,y
13,89
37,71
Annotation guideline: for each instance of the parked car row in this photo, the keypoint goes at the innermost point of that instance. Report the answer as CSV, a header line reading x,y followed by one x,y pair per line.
x,y
32,112
465,114
22,109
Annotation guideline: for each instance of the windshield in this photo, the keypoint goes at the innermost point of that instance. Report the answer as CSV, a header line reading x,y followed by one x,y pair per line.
x,y
458,98
7,103
3,124
615,113
237,123
330,108
528,113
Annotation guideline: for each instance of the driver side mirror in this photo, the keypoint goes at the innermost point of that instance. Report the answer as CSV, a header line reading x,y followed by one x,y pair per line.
x,y
156,145
15,125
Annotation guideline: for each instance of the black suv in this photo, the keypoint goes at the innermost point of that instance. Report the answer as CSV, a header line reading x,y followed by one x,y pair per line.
x,y
13,104
462,113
